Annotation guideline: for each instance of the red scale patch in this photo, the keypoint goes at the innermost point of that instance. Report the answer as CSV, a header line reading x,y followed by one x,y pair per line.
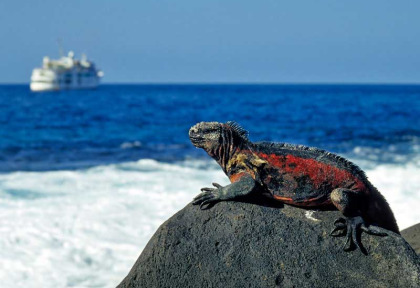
x,y
318,172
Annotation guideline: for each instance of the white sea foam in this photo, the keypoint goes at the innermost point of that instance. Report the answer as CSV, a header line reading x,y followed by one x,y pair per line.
x,y
400,184
86,228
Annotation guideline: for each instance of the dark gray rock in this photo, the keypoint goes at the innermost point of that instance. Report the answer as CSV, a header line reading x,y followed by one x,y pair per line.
x,y
236,244
412,236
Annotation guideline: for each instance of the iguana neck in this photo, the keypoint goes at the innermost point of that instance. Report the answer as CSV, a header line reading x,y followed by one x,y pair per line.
x,y
228,146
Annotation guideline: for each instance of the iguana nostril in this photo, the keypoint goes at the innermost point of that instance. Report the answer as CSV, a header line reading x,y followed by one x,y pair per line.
x,y
193,130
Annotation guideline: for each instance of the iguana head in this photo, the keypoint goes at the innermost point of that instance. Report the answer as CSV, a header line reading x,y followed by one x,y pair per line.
x,y
206,135
215,137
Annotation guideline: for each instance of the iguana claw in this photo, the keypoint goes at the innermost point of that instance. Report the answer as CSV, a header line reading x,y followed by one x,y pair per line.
x,y
351,228
340,226
208,196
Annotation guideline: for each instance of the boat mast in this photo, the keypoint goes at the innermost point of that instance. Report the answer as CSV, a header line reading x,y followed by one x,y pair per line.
x,y
60,47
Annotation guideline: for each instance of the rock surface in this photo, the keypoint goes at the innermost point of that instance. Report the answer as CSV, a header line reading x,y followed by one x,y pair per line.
x,y
412,236
236,244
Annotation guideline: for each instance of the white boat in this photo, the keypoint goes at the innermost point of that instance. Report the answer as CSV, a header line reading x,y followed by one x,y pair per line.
x,y
65,73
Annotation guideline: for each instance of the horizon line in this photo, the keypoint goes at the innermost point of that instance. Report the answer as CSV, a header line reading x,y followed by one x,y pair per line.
x,y
244,83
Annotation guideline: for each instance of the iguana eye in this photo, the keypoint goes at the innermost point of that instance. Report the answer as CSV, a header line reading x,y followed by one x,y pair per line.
x,y
211,130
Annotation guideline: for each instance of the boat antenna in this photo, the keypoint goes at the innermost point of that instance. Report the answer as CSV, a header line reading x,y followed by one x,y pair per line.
x,y
60,47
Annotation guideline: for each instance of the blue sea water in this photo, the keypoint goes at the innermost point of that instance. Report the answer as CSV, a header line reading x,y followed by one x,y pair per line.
x,y
87,176
118,123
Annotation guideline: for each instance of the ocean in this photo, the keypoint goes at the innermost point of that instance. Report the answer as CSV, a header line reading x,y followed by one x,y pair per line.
x,y
86,177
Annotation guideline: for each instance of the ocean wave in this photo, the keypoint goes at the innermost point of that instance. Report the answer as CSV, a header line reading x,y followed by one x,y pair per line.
x,y
391,154
131,145
87,227
400,185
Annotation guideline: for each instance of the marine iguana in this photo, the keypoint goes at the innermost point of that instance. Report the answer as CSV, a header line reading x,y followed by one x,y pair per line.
x,y
296,175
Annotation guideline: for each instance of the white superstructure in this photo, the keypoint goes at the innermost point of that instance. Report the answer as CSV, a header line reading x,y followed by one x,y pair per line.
x,y
65,73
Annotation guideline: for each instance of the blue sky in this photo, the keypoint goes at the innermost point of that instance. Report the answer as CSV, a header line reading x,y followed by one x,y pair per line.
x,y
196,41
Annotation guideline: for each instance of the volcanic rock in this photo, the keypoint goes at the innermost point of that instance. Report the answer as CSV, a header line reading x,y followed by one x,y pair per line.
x,y
237,244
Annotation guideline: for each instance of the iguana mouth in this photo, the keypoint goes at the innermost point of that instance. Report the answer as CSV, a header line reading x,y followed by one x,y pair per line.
x,y
197,141
195,137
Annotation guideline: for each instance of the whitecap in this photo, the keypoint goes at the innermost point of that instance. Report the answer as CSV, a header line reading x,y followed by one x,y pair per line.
x,y
130,145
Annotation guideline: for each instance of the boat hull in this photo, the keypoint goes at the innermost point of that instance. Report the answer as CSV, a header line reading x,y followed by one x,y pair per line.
x,y
39,86
65,74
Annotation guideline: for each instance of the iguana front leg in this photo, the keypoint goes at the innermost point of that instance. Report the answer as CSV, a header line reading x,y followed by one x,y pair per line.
x,y
243,186
350,202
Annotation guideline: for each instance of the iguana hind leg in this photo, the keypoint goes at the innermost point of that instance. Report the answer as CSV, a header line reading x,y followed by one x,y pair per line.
x,y
350,203
243,186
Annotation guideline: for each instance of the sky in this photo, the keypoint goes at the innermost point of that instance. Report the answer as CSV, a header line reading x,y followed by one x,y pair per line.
x,y
212,41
